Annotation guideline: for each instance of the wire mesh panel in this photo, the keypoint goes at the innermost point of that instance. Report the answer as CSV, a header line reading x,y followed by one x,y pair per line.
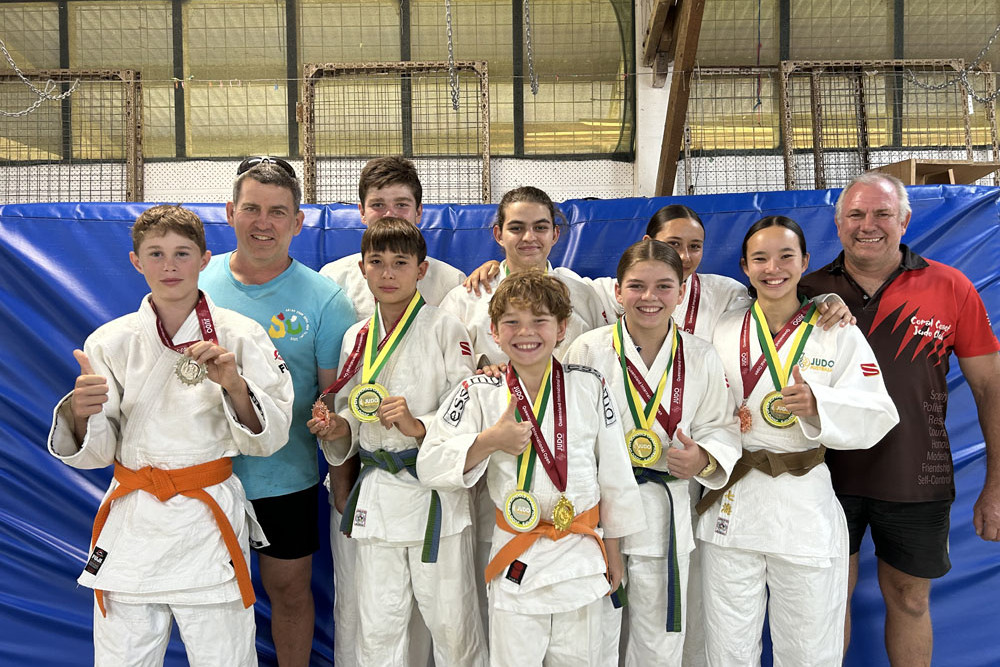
x,y
84,147
351,113
841,118
732,137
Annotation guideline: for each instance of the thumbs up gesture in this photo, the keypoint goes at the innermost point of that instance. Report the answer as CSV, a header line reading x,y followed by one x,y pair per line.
x,y
798,398
507,434
90,393
686,459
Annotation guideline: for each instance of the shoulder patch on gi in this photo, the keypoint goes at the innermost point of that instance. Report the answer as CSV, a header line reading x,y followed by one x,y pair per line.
x,y
457,408
610,417
569,368
482,379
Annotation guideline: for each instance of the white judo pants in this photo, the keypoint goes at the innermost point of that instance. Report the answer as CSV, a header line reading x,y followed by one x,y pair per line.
x,y
636,636
694,622
345,605
567,639
136,635
389,578
806,606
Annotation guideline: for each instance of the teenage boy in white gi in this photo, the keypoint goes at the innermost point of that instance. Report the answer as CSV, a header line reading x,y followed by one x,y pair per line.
x,y
168,395
413,544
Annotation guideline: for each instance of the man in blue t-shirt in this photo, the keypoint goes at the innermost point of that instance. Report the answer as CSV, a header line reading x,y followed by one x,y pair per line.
x,y
306,316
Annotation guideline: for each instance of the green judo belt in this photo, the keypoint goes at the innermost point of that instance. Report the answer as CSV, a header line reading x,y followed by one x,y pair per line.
x,y
395,463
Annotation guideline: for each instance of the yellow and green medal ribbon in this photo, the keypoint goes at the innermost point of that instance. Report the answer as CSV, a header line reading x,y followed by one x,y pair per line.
x,y
772,408
374,359
520,507
781,371
643,414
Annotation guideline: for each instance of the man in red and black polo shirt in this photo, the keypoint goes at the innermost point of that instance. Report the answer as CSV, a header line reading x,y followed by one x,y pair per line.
x,y
915,312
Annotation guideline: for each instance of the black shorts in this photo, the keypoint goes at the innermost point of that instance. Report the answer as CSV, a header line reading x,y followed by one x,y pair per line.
x,y
290,523
911,537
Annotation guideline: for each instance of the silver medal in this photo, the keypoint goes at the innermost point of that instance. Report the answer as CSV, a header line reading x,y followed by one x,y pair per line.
x,y
190,371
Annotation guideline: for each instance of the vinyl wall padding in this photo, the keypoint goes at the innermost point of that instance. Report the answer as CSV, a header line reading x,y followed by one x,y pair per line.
x,y
64,270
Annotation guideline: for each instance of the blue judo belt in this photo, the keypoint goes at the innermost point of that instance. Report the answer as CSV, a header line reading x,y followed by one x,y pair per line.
x,y
643,476
395,463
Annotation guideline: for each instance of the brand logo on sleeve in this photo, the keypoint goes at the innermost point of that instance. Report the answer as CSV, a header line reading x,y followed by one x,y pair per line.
x,y
868,370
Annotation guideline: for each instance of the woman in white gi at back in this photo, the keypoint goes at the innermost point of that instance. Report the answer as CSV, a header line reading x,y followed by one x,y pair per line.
x,y
775,535
527,227
681,429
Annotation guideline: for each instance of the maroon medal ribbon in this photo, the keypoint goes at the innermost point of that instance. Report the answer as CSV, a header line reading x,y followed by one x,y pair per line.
x,y
554,461
205,323
694,300
749,375
353,362
668,422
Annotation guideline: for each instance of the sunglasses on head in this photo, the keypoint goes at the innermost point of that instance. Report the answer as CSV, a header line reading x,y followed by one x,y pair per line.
x,y
256,160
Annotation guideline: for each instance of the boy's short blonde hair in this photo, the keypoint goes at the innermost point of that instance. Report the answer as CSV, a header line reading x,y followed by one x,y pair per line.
x,y
534,290
158,220
394,235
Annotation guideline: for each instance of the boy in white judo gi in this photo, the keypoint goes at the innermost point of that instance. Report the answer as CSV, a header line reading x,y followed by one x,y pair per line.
x,y
387,186
390,186
413,544
547,438
168,394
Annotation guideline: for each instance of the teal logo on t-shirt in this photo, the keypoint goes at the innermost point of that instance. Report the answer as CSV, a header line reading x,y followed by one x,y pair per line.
x,y
290,324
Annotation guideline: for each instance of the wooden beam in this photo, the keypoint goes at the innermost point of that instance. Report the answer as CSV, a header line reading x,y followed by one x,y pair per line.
x,y
655,30
686,48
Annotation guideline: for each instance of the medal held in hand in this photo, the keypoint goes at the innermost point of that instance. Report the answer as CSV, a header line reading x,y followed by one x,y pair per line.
x,y
190,371
643,444
366,399
321,412
187,370
772,407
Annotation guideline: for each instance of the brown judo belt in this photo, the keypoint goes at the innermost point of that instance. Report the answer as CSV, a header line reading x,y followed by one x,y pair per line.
x,y
770,463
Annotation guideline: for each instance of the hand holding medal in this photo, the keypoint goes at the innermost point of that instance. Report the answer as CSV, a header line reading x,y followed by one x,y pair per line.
x,y
207,359
325,423
395,413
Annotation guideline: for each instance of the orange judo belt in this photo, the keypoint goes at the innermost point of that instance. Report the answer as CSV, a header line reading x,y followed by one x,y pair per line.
x,y
584,523
190,482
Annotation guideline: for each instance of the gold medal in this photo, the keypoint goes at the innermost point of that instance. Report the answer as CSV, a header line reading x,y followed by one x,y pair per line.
x,y
189,371
563,514
773,409
520,509
365,400
644,447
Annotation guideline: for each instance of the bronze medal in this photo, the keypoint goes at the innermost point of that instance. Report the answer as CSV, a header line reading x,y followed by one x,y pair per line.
x,y
644,447
746,418
773,409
